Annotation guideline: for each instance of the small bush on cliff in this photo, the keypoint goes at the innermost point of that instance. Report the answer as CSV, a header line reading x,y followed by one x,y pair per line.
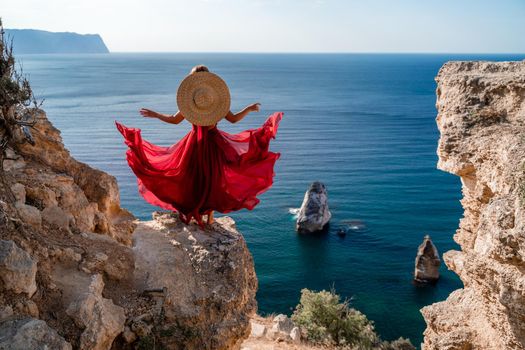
x,y
329,321
16,96
15,90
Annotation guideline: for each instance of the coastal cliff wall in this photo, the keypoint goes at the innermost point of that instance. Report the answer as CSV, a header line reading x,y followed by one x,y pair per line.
x,y
77,271
481,117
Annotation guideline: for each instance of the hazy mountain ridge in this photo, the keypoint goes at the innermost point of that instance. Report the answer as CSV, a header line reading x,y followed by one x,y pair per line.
x,y
27,41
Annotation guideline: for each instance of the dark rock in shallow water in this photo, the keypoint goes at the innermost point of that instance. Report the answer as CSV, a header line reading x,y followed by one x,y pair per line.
x,y
314,213
427,262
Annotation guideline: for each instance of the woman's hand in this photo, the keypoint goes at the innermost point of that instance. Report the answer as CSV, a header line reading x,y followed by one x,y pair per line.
x,y
234,118
254,107
148,113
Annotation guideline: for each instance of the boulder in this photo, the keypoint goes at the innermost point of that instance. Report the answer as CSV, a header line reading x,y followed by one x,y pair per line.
x,y
27,307
427,262
5,312
101,320
282,323
56,216
19,191
295,335
207,276
17,269
258,330
29,214
281,328
314,213
30,334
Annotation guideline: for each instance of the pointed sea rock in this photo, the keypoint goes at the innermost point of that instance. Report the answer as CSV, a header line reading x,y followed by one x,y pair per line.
x,y
314,213
427,262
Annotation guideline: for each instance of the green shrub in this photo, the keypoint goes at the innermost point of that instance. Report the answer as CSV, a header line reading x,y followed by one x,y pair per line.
x,y
15,90
328,321
399,344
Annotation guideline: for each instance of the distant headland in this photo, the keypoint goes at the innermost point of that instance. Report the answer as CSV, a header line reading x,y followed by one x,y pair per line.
x,y
28,41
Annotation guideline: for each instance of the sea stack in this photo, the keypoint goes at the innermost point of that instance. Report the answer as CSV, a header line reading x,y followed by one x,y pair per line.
x,y
314,213
427,262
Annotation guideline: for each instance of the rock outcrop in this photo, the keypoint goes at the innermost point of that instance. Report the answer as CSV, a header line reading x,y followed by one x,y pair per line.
x,y
54,189
427,262
30,334
78,271
17,269
278,332
314,214
100,319
481,117
208,298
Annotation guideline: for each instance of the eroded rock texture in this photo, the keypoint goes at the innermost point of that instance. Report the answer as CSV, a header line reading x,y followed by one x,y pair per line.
x,y
481,117
78,272
314,214
208,277
427,262
55,189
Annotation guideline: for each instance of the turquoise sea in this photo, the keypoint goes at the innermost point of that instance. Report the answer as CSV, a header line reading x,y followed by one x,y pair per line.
x,y
364,124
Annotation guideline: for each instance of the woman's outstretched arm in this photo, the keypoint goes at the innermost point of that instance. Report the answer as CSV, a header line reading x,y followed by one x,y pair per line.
x,y
234,118
172,119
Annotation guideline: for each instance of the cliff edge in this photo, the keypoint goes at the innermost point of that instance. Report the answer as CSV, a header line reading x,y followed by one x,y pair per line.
x,y
481,117
77,271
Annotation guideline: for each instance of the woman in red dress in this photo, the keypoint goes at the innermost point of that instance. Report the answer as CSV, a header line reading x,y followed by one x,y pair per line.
x,y
208,169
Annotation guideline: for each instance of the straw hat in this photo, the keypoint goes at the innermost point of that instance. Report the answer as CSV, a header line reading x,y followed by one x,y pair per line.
x,y
203,98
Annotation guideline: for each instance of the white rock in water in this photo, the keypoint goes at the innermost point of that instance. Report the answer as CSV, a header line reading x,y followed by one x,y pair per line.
x,y
17,269
427,262
314,213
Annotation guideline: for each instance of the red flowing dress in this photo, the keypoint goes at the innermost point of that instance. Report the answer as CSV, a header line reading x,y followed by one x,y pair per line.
x,y
206,170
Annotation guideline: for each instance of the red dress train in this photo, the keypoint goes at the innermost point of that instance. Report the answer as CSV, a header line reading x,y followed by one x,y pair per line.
x,y
206,170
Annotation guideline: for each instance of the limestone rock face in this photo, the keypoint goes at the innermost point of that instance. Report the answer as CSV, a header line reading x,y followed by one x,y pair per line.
x,y
427,262
210,296
30,334
101,320
70,194
481,117
17,269
314,213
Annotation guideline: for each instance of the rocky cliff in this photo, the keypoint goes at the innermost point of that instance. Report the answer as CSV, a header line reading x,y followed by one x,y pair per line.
x,y
481,117
78,271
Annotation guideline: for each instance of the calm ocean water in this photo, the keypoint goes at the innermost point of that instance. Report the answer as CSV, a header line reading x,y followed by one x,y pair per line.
x,y
363,124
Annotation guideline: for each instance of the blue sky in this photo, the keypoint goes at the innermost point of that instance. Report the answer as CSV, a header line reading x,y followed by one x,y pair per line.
x,y
283,25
